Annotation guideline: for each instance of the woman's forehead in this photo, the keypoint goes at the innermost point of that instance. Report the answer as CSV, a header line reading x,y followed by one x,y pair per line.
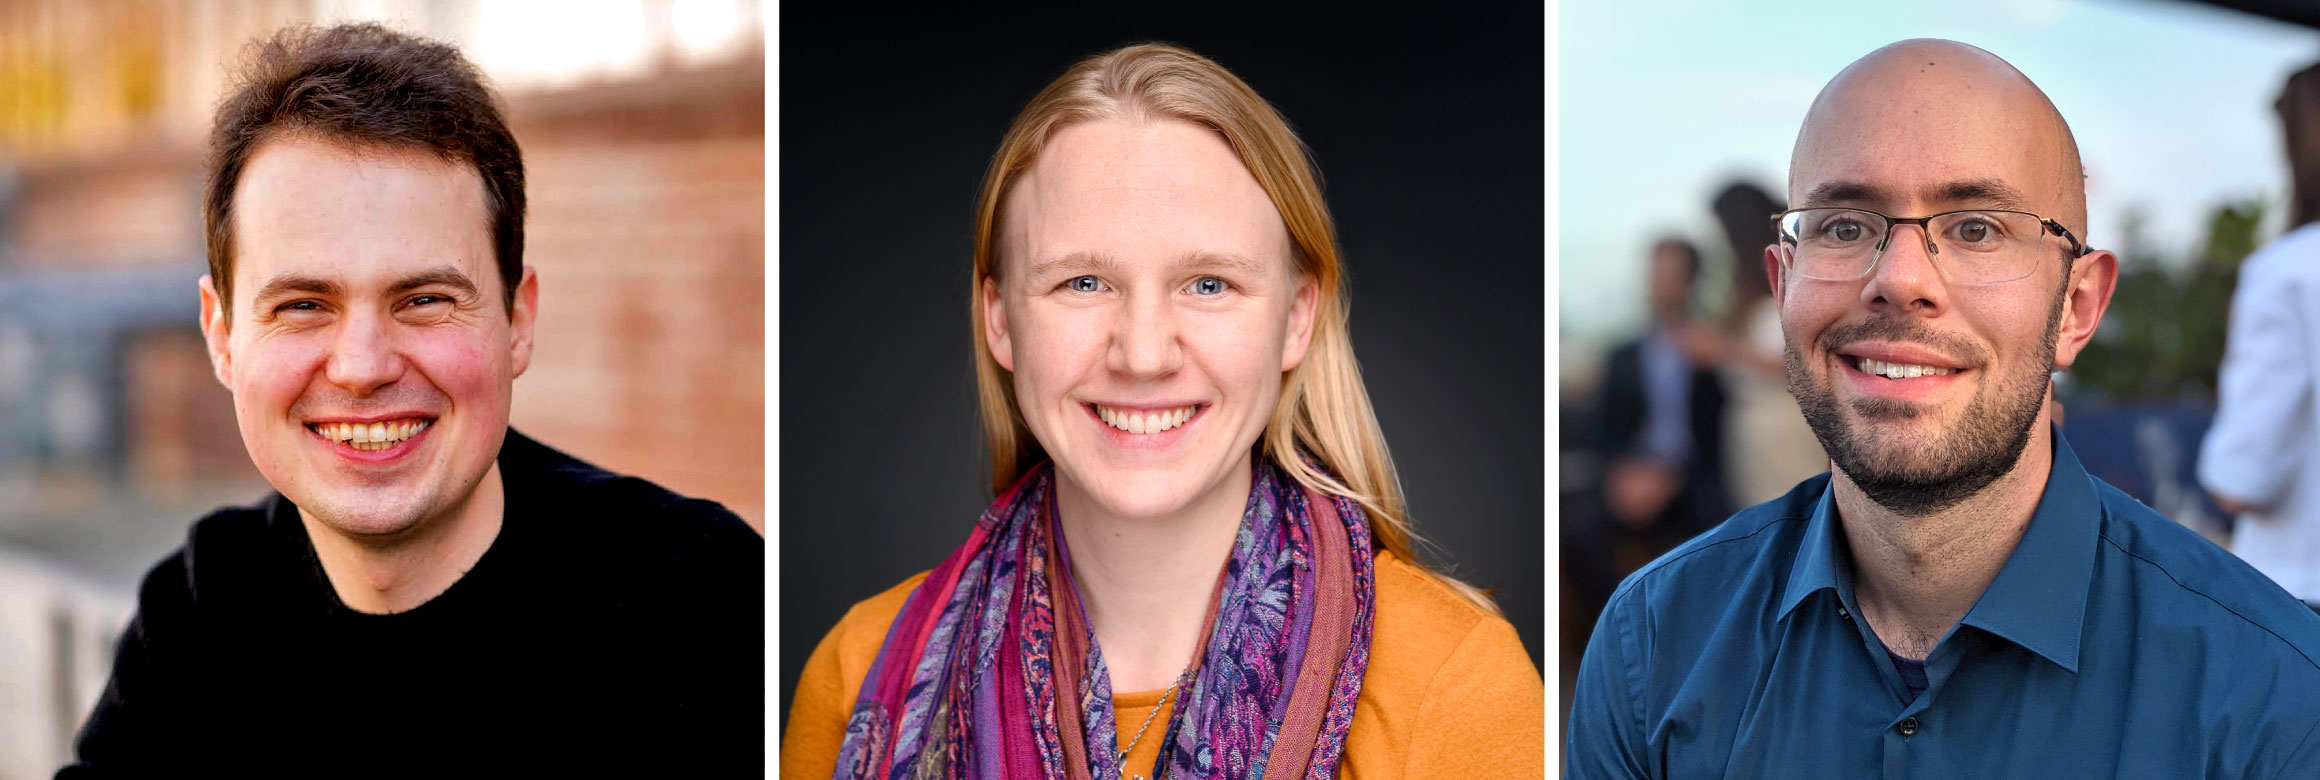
x,y
1140,191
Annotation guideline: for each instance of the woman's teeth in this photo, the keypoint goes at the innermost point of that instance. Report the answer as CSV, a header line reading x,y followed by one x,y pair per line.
x,y
1143,421
370,437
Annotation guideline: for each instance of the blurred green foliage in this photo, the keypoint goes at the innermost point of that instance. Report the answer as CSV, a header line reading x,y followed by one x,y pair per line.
x,y
2162,338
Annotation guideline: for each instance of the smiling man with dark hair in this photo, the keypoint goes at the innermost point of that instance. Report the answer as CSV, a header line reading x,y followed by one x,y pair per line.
x,y
1958,597
428,592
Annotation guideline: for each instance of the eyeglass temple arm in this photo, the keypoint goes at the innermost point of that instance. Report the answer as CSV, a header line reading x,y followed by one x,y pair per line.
x,y
2077,248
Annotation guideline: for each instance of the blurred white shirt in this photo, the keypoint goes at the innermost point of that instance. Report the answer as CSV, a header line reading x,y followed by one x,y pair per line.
x,y
2264,448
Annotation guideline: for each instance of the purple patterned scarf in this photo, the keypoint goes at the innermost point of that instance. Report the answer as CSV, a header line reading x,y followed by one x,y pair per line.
x,y
991,670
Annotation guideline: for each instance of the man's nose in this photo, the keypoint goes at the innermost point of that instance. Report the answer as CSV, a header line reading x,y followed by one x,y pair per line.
x,y
1906,276
364,355
1144,337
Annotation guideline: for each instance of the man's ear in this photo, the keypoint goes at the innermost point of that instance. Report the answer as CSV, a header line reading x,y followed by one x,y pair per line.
x,y
1301,312
2084,298
215,333
521,317
995,325
1772,270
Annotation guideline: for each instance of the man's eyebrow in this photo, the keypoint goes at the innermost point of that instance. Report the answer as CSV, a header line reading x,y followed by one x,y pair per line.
x,y
1989,193
447,277
1074,261
1841,192
1983,193
289,283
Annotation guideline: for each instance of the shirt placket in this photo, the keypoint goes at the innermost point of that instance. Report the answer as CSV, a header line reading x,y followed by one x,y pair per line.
x,y
1897,741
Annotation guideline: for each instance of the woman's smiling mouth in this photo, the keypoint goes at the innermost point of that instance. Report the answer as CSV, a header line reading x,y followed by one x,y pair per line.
x,y
1145,422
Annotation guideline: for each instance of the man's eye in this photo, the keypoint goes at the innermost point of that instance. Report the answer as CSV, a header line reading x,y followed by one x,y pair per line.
x,y
422,300
1976,231
1085,284
1208,285
1847,231
300,306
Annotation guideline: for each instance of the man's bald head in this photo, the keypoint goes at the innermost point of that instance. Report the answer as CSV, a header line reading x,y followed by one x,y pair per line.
x,y
1901,130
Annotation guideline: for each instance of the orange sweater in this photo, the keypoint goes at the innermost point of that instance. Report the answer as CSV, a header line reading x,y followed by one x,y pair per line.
x,y
1450,692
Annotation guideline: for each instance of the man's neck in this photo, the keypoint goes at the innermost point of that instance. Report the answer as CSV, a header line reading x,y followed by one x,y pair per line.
x,y
1146,581
399,574
1915,577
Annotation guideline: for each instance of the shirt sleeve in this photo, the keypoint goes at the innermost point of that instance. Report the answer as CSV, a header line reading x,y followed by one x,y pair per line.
x,y
1484,712
729,729
2263,417
135,721
1604,733
2305,760
817,714
832,679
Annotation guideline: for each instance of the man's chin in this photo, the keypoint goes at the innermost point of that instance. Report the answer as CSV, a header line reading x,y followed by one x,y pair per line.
x,y
364,521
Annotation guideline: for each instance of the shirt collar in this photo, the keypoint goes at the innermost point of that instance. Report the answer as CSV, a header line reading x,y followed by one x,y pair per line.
x,y
2038,599
1818,565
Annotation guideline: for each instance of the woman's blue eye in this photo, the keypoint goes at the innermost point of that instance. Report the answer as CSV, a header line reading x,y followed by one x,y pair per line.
x,y
1208,285
1085,284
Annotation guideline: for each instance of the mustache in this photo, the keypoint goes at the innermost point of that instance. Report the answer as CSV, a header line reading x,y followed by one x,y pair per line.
x,y
1905,330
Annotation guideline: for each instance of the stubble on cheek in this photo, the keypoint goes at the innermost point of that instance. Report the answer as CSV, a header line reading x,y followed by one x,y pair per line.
x,y
1922,475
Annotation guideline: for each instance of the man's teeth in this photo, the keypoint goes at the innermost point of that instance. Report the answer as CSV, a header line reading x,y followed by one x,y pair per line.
x,y
371,436
1135,421
1900,371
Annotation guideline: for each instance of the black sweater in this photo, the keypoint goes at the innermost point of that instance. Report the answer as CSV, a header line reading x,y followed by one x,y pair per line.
x,y
612,627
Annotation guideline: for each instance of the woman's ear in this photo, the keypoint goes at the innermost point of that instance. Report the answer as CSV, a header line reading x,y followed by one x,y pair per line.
x,y
1299,337
995,325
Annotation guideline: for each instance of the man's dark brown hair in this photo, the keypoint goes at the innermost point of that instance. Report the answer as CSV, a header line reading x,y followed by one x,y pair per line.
x,y
364,85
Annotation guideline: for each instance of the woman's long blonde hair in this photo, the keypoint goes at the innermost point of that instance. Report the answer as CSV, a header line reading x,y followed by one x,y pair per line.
x,y
1324,411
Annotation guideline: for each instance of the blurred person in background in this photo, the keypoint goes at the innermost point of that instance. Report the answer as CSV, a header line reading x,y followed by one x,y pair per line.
x,y
429,591
1767,446
1661,412
1199,560
2261,458
1958,597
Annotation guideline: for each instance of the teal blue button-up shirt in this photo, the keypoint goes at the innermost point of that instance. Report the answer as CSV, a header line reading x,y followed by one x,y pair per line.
x,y
2113,643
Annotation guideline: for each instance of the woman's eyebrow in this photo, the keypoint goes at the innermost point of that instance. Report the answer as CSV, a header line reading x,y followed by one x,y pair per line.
x,y
1078,261
1224,260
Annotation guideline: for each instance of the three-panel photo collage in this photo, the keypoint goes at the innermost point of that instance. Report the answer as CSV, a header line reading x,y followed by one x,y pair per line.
x,y
725,388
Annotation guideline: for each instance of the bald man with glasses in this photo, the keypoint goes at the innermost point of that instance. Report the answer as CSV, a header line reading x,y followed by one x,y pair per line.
x,y
1957,597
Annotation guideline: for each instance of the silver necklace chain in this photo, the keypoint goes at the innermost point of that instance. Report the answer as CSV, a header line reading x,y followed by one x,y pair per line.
x,y
1121,757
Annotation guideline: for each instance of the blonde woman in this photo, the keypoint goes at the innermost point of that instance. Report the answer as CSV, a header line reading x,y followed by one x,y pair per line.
x,y
1199,562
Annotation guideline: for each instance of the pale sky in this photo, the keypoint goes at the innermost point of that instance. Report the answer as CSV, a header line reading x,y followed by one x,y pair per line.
x,y
1665,101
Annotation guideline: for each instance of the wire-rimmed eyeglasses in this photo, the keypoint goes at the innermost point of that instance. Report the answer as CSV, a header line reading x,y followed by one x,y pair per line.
x,y
1970,246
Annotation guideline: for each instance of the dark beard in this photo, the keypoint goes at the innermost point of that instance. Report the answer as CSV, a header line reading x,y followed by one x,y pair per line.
x,y
1985,444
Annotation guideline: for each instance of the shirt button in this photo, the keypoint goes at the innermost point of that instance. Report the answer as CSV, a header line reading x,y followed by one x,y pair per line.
x,y
1844,613
1908,727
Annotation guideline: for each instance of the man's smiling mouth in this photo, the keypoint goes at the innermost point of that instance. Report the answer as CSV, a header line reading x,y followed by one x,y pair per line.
x,y
371,437
1881,368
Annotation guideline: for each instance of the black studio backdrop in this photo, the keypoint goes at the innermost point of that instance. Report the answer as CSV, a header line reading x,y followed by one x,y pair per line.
x,y
1429,131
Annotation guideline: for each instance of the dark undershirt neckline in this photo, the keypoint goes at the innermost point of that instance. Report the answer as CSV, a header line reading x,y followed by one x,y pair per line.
x,y
1912,674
